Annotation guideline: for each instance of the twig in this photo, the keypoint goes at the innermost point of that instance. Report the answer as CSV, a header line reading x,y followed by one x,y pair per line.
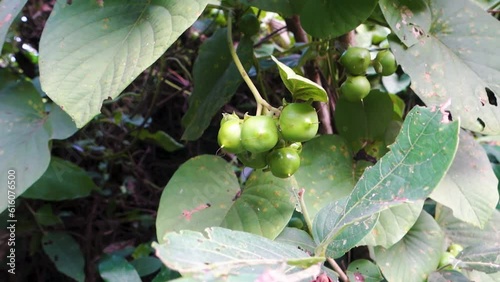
x,y
336,267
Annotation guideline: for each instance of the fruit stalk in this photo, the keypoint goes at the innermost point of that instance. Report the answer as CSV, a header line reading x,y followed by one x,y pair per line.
x,y
258,98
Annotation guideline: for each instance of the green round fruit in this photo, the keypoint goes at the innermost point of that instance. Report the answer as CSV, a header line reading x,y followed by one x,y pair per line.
x,y
296,222
249,24
298,122
284,162
455,249
256,161
355,88
356,60
229,137
446,260
385,63
259,134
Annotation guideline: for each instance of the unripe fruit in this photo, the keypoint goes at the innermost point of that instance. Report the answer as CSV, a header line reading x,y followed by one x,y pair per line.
x,y
229,137
259,134
446,260
296,222
249,24
356,60
385,63
455,249
284,162
355,88
298,122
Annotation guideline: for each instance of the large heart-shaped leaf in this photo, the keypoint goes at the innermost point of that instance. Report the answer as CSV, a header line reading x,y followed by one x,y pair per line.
x,y
415,256
90,51
27,130
326,171
216,79
482,257
300,87
330,19
393,224
470,186
205,192
223,252
8,12
462,63
416,163
408,18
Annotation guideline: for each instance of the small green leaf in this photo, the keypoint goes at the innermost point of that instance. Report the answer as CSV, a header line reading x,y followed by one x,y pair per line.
x,y
46,217
470,188
466,234
117,269
8,13
330,19
105,47
146,265
65,253
448,276
63,180
223,252
408,19
364,270
393,224
301,88
216,79
462,63
297,238
415,256
160,138
326,171
282,7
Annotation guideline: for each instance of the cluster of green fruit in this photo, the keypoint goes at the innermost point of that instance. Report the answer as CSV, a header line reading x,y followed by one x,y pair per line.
x,y
268,142
356,61
448,258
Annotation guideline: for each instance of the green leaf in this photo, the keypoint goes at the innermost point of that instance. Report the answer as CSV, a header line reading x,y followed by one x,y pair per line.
x,y
282,7
216,79
409,19
415,256
348,237
200,181
8,12
264,207
27,130
393,224
146,265
205,192
117,269
330,19
416,163
160,138
223,252
65,253
396,83
365,120
89,52
297,238
483,277
466,234
326,171
46,217
462,63
482,257
447,276
301,88
470,188
364,270
63,180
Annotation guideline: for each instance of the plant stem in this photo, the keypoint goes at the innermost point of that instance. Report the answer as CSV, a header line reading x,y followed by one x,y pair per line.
x,y
337,269
260,101
303,208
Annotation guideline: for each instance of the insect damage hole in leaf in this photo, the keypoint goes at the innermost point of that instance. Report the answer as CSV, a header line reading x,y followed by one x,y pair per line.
x,y
492,99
